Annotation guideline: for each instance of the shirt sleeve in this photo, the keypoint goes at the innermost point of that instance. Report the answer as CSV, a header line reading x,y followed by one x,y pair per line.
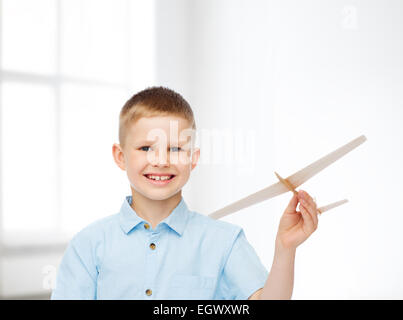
x,y
243,271
77,274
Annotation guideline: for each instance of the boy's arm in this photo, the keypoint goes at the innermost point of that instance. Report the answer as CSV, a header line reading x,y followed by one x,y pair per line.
x,y
76,276
280,282
295,227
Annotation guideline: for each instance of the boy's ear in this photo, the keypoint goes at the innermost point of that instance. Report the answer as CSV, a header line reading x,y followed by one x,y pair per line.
x,y
195,157
118,156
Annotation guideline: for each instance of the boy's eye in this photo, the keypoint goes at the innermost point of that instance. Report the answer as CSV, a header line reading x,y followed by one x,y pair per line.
x,y
142,148
146,148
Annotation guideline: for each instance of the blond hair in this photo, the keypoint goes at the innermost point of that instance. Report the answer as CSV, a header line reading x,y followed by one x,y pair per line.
x,y
150,102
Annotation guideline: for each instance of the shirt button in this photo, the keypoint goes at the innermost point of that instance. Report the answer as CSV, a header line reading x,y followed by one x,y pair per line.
x,y
146,226
149,292
152,246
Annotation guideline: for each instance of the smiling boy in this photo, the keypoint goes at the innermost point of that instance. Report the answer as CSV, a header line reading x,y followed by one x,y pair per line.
x,y
155,247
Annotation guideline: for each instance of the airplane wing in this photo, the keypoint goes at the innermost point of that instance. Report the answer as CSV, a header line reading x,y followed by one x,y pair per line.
x,y
332,205
295,179
304,174
264,194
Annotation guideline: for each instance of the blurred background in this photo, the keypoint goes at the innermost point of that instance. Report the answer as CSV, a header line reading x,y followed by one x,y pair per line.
x,y
274,85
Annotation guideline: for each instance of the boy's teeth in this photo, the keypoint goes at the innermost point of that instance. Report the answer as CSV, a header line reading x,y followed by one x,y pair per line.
x,y
159,178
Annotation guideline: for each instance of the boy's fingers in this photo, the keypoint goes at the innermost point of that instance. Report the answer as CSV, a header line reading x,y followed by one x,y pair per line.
x,y
313,212
305,195
307,201
312,209
308,219
292,205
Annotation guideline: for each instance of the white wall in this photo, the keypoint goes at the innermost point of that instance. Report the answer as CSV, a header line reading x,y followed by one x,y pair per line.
x,y
287,81
307,76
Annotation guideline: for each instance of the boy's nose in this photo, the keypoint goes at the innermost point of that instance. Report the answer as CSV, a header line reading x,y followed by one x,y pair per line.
x,y
160,158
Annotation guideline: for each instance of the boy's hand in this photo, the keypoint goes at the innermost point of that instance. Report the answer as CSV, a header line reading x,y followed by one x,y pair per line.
x,y
296,226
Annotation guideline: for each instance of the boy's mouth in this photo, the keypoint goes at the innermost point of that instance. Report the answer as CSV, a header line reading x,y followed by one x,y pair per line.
x,y
159,178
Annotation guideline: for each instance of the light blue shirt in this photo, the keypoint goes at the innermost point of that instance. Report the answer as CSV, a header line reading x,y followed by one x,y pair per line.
x,y
187,256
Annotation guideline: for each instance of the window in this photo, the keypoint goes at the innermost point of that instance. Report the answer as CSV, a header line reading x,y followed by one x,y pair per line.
x,y
67,67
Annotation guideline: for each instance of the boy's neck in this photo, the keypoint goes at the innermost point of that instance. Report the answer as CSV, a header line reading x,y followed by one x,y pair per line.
x,y
154,211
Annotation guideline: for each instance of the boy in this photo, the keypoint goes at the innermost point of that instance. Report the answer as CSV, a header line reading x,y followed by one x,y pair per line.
x,y
155,247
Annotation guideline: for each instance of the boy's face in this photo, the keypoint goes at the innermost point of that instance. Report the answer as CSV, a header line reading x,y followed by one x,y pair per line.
x,y
160,145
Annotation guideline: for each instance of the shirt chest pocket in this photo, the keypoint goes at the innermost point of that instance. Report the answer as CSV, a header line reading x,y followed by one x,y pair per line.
x,y
192,287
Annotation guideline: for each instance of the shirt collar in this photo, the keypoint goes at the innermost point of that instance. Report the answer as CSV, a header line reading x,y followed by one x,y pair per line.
x,y
177,220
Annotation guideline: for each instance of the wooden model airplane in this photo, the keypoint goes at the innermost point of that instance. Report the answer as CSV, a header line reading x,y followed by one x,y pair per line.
x,y
292,182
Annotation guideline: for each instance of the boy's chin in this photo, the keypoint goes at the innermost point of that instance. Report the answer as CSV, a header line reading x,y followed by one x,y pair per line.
x,y
159,195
